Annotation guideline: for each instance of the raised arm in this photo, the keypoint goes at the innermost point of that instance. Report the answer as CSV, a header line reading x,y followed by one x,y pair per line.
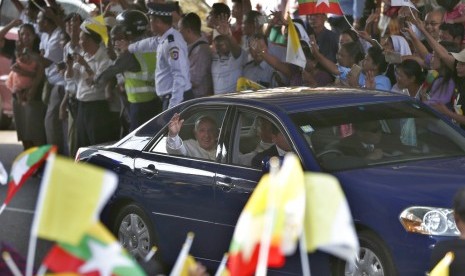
x,y
18,5
417,44
175,125
437,48
326,63
13,23
225,29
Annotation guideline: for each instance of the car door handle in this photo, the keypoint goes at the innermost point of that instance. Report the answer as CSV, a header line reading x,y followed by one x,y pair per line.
x,y
149,171
225,186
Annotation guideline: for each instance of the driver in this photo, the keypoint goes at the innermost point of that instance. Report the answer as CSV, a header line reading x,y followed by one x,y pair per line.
x,y
369,142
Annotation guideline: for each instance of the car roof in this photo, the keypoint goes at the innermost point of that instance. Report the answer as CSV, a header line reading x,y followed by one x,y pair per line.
x,y
296,99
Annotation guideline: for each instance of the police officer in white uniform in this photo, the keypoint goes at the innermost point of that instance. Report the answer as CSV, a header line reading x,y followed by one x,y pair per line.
x,y
172,71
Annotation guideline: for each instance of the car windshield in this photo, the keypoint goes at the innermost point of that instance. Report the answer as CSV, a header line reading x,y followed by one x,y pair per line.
x,y
377,134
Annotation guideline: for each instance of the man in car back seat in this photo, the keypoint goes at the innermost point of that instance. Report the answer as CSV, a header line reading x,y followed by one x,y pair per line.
x,y
204,144
280,148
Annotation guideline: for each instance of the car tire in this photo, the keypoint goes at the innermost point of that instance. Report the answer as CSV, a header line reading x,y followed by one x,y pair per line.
x,y
373,259
134,231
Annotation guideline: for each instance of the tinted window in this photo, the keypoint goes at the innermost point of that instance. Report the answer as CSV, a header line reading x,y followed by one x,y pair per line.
x,y
365,135
198,135
253,135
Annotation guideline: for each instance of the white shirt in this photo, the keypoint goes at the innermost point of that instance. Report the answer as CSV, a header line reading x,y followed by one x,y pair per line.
x,y
226,70
98,62
50,45
261,73
191,148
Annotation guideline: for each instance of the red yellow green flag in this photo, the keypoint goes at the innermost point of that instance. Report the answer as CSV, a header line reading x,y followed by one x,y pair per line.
x,y
98,253
319,6
24,166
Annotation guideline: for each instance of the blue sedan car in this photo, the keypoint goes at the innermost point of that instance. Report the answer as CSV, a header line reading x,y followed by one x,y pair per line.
x,y
399,183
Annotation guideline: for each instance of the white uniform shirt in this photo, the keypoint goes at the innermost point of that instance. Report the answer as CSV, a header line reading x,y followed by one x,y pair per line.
x,y
172,72
50,45
226,70
98,62
146,45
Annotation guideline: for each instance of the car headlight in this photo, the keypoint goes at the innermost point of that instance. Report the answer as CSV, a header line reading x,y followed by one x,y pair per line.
x,y
429,221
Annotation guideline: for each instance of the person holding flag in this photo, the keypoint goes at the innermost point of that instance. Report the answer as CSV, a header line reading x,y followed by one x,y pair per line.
x,y
295,59
93,111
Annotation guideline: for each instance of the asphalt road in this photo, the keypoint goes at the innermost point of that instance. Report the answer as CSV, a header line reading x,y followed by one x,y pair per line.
x,y
16,220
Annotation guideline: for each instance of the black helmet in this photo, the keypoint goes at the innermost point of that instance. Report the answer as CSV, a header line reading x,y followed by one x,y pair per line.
x,y
134,21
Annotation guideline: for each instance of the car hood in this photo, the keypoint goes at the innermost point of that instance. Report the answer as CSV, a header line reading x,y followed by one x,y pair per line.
x,y
427,182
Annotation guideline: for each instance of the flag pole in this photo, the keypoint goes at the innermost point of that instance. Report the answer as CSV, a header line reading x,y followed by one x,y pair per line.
x,y
38,212
11,264
303,254
182,255
31,255
2,208
356,31
41,271
3,175
270,211
222,265
150,255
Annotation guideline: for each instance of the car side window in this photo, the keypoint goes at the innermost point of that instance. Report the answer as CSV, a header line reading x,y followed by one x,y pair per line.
x,y
193,134
252,136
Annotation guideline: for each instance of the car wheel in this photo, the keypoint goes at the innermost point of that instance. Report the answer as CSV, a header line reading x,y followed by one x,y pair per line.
x,y
373,259
134,231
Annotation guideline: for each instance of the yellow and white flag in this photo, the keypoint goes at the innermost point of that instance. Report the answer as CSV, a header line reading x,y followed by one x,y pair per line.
x,y
295,54
328,222
71,198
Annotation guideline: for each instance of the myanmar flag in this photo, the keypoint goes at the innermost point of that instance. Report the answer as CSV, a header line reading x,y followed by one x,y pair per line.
x,y
23,167
98,253
281,195
319,6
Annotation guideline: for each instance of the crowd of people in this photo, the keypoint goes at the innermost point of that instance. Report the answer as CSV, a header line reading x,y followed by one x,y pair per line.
x,y
71,83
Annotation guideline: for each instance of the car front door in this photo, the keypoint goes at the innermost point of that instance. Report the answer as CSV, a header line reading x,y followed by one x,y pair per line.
x,y
179,190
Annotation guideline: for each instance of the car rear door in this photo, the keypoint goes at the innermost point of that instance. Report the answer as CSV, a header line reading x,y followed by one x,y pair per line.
x,y
236,178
